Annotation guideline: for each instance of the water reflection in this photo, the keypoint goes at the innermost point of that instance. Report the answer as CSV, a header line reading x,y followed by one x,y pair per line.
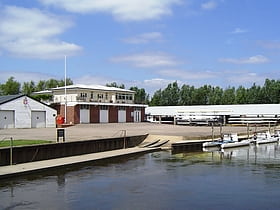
x,y
240,178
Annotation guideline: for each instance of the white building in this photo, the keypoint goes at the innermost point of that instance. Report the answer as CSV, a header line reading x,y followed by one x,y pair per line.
x,y
96,104
227,114
21,111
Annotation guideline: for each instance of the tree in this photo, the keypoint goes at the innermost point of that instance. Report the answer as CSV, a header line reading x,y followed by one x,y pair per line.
x,y
170,95
229,96
11,87
28,87
241,95
186,93
114,84
156,99
140,97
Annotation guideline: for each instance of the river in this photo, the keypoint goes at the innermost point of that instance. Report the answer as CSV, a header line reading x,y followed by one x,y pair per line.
x,y
241,178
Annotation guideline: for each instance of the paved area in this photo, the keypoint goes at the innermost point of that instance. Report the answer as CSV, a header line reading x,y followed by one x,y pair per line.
x,y
97,131
14,170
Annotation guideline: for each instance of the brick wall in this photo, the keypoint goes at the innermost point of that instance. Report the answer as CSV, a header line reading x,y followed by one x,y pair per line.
x,y
94,114
129,118
113,114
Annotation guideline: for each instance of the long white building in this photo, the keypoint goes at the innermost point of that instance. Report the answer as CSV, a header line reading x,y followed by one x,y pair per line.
x,y
227,114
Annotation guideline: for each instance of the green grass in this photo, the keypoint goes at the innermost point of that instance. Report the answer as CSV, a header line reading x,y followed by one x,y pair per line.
x,y
6,143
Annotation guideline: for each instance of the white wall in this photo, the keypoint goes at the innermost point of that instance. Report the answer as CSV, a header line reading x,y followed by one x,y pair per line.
x,y
23,110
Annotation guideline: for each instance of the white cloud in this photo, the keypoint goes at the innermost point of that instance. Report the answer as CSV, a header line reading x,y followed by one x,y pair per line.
x,y
24,76
210,5
244,78
31,33
147,60
144,38
124,10
239,31
251,60
186,75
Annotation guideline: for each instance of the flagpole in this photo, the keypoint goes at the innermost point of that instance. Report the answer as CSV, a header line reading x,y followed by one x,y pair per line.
x,y
65,93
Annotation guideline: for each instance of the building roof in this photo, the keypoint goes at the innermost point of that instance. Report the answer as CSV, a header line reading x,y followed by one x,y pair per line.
x,y
7,98
93,87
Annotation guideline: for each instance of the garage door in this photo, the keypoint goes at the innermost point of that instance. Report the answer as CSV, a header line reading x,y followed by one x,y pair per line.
x,y
38,119
122,116
104,116
84,116
7,119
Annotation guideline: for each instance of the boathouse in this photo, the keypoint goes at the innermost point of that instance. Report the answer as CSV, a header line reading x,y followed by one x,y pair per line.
x,y
21,111
96,104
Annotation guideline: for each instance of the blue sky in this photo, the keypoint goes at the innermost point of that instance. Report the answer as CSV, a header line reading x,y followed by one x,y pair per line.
x,y
141,43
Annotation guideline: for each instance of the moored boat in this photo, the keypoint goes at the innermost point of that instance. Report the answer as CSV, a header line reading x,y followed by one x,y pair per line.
x,y
231,140
264,138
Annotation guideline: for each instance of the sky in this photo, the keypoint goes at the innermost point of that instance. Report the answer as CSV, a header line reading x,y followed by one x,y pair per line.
x,y
143,43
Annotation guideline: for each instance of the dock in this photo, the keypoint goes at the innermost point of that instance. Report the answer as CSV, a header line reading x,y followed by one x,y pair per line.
x,y
31,167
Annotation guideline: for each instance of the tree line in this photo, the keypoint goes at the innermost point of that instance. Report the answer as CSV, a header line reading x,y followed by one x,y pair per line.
x,y
173,95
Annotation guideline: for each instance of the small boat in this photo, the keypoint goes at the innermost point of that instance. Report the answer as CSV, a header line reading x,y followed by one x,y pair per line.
x,y
231,140
264,138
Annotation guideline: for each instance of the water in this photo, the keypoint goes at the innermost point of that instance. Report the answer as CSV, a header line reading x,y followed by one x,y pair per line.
x,y
244,178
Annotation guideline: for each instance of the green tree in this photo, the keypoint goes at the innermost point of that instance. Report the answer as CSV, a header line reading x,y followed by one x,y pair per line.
x,y
140,97
156,100
28,87
241,95
229,96
11,87
170,95
114,84
186,93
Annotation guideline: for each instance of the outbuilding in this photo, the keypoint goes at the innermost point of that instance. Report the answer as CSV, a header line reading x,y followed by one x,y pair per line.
x,y
21,111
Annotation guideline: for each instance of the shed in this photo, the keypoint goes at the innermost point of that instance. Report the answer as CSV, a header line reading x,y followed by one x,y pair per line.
x,y
21,111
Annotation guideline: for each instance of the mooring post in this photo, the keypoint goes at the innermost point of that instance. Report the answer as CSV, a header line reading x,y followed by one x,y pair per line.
x,y
11,151
124,144
248,131
212,131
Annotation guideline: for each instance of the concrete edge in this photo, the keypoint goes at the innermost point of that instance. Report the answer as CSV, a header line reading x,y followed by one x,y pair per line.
x,y
26,168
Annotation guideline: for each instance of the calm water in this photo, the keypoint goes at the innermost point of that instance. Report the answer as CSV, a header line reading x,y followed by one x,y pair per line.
x,y
245,178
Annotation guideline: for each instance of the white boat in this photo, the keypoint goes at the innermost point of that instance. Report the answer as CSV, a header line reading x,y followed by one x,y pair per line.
x,y
264,138
216,143
231,140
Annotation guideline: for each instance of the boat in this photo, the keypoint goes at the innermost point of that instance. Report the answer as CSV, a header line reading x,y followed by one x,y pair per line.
x,y
231,140
215,143
264,138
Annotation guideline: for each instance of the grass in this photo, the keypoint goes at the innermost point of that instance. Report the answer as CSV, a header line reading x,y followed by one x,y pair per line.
x,y
6,143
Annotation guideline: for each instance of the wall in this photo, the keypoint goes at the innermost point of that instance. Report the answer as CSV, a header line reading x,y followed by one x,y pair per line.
x,y
59,150
113,114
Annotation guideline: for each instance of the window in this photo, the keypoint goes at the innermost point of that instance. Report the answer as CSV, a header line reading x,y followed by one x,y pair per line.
x,y
83,95
103,107
100,95
121,108
84,106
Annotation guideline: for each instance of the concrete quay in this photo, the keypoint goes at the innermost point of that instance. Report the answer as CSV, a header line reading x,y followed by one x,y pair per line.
x,y
31,167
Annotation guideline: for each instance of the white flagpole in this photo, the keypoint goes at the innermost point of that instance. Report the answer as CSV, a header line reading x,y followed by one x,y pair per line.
x,y
65,93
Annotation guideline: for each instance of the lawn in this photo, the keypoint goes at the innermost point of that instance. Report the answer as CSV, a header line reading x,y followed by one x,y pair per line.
x,y
6,143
